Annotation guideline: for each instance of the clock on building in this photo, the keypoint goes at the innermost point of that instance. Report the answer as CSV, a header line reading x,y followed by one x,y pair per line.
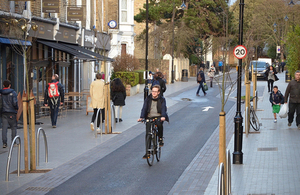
x,y
112,24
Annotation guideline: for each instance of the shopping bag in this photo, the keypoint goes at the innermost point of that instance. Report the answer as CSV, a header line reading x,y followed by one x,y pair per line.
x,y
205,87
283,111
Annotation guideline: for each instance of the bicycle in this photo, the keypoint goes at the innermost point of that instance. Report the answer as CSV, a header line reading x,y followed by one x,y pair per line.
x,y
153,147
254,122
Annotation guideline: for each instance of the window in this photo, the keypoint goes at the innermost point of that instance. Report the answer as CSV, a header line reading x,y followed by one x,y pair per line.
x,y
123,10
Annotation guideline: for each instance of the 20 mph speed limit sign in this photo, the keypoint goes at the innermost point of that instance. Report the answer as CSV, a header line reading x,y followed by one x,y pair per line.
x,y
240,51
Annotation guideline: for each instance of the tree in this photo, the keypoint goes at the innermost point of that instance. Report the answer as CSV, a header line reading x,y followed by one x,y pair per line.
x,y
293,57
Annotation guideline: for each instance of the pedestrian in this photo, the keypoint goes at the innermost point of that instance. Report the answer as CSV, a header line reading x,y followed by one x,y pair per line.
x,y
157,80
282,65
201,81
202,65
164,78
276,99
211,74
54,97
220,65
97,99
293,92
9,109
270,75
118,96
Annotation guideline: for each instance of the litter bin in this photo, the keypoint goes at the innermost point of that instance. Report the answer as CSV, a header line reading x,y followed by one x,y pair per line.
x,y
184,77
288,77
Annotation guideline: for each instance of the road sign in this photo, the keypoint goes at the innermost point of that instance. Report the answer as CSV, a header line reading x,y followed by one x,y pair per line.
x,y
278,49
240,52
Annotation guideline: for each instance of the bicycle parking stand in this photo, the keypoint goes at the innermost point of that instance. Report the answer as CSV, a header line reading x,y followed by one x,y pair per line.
x,y
100,124
113,121
38,145
9,157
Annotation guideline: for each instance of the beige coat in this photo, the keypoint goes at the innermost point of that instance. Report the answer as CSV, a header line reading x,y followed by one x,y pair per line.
x,y
97,94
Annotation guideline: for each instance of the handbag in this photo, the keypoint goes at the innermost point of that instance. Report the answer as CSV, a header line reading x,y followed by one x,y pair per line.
x,y
205,87
276,78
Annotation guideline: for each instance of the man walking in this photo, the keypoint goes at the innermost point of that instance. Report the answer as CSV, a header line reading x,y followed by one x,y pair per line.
x,y
97,99
201,81
9,109
293,90
282,65
54,96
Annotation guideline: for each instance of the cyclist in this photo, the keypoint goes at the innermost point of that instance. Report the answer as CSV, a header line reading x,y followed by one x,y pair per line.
x,y
155,107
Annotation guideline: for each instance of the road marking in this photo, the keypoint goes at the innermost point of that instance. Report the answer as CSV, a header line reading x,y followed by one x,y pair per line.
x,y
207,108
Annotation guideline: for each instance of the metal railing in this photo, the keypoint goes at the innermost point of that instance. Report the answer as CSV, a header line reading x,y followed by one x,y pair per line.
x,y
228,171
38,145
100,124
9,157
221,181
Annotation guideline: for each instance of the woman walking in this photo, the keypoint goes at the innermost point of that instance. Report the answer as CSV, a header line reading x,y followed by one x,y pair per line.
x,y
211,74
118,95
270,75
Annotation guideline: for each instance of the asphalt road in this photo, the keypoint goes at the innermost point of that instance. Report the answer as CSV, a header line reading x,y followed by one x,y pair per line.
x,y
125,172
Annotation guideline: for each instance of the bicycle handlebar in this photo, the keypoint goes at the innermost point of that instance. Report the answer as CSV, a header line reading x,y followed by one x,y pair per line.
x,y
151,120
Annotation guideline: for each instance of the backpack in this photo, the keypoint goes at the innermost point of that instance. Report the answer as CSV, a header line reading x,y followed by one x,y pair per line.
x,y
155,82
199,78
53,90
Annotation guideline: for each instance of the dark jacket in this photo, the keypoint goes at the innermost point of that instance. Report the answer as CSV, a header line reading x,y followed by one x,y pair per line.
x,y
118,98
277,98
202,76
292,90
47,99
267,73
9,101
161,107
162,84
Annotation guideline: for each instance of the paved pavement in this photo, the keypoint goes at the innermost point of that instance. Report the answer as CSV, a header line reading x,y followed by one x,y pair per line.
x,y
269,157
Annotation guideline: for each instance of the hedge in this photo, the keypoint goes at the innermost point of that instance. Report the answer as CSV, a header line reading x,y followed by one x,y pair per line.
x,y
128,78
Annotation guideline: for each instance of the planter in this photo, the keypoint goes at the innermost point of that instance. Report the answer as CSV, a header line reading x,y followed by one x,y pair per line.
x,y
130,91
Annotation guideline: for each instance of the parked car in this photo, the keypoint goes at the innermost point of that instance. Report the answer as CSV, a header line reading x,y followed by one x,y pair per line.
x,y
259,67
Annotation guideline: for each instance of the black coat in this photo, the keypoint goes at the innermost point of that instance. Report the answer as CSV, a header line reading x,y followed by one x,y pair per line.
x,y
161,107
9,101
118,98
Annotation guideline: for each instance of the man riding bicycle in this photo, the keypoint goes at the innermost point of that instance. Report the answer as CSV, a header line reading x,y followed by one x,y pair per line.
x,y
155,107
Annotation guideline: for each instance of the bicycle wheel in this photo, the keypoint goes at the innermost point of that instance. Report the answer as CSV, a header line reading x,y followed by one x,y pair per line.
x,y
157,149
150,150
254,120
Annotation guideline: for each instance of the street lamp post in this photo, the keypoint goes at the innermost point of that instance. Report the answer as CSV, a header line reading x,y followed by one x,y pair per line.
x,y
291,3
238,119
146,89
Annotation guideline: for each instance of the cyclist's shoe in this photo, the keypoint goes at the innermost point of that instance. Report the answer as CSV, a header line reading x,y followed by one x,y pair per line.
x,y
146,156
161,142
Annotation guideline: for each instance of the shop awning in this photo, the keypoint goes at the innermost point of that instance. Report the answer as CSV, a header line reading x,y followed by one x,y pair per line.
x,y
86,51
62,47
14,41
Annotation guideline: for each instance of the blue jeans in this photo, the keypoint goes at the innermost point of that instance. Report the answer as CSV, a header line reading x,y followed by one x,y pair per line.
x,y
201,86
9,119
54,113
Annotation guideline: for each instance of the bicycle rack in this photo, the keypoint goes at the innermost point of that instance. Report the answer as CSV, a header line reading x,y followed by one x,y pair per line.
x,y
228,170
95,122
221,182
38,145
9,157
113,114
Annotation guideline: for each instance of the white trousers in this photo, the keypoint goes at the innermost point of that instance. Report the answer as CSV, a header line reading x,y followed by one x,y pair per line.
x,y
118,109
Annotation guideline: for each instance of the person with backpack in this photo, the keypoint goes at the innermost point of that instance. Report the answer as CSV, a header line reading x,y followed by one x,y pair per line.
x,y
54,97
201,81
276,99
157,80
9,109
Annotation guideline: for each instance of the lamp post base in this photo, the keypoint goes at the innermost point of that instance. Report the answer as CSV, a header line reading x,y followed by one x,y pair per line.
x,y
237,157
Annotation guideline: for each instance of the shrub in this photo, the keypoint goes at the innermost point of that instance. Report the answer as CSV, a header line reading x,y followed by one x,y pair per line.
x,y
128,78
125,62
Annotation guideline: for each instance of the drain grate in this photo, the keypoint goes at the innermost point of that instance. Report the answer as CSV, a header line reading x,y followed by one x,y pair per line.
x,y
260,194
268,149
39,189
186,99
